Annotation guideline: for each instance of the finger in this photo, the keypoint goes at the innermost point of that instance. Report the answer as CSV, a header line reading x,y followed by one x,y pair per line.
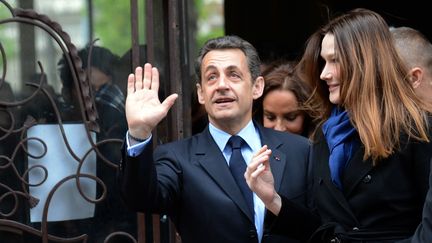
x,y
169,101
265,155
138,78
147,76
266,165
257,154
252,176
131,84
261,150
258,171
260,165
260,158
155,79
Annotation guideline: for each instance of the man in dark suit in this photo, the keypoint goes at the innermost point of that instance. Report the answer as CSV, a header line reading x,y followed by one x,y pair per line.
x,y
193,180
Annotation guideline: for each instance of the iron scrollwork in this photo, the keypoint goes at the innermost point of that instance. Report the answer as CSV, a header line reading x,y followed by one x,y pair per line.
x,y
14,133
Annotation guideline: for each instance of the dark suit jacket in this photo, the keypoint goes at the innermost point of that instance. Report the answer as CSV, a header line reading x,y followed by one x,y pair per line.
x,y
190,181
381,203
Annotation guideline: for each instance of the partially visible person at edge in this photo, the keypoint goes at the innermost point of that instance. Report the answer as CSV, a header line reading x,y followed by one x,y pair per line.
x,y
199,181
281,105
423,232
371,151
416,52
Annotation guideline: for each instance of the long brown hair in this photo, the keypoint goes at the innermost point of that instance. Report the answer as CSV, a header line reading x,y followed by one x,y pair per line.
x,y
374,88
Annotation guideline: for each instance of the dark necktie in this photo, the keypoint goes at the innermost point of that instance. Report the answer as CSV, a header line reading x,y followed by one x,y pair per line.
x,y
237,166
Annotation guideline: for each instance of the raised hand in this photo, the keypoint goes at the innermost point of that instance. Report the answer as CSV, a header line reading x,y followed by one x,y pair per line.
x,y
143,107
260,179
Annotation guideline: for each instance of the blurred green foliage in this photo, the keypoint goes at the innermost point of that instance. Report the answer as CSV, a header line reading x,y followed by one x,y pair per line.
x,y
112,24
204,12
7,38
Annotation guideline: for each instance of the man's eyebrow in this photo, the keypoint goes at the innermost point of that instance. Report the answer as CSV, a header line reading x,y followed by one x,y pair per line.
x,y
209,67
231,67
235,68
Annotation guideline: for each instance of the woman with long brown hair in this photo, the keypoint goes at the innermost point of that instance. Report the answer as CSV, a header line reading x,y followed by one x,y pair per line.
x,y
371,150
281,107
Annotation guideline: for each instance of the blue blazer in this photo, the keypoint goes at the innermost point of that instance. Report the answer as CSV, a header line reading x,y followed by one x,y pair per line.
x,y
190,181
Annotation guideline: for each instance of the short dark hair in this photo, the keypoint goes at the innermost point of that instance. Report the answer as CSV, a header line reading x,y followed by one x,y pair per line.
x,y
101,58
230,42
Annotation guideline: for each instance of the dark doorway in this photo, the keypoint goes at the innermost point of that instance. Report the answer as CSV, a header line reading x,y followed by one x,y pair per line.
x,y
279,28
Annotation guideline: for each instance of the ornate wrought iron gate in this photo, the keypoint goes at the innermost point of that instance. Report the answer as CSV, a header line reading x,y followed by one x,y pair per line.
x,y
42,132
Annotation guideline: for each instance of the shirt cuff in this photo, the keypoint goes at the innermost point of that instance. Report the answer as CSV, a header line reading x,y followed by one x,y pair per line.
x,y
136,149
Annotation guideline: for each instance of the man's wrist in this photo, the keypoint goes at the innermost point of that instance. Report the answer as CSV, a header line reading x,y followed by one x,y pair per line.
x,y
136,139
275,205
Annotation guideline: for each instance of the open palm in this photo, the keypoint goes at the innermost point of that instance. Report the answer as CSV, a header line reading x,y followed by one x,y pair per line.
x,y
143,107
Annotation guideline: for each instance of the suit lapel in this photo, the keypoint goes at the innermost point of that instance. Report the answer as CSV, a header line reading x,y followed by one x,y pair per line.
x,y
213,162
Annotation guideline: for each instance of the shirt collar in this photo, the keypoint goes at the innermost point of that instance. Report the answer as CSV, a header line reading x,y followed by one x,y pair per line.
x,y
249,133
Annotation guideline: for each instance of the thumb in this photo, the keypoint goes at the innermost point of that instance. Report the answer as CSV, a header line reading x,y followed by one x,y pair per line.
x,y
169,101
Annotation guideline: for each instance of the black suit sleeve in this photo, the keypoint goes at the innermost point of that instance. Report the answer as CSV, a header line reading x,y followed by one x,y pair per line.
x,y
151,182
137,178
295,220
424,230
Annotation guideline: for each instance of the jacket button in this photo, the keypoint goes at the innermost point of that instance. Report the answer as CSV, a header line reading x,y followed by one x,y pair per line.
x,y
253,234
367,178
335,240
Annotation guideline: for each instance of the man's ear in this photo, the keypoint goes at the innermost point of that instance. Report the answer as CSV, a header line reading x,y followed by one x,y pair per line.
x,y
258,87
199,94
416,76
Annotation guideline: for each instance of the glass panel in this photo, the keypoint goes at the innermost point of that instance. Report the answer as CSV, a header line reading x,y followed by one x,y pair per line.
x,y
50,154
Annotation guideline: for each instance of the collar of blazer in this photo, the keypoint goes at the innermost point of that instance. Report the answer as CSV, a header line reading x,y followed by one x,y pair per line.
x,y
355,171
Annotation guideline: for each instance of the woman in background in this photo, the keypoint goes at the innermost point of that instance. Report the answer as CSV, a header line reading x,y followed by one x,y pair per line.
x,y
281,106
